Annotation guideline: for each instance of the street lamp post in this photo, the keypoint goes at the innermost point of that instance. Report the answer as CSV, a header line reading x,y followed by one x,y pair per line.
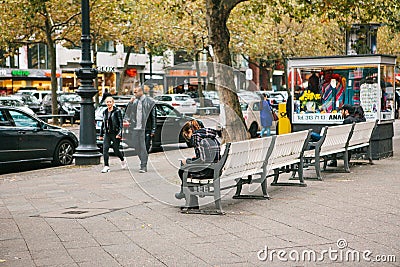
x,y
87,152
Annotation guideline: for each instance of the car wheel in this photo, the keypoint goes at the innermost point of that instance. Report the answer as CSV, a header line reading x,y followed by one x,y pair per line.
x,y
63,155
253,130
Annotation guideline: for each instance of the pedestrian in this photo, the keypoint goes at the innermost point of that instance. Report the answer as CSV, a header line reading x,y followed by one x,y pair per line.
x,y
206,147
347,111
397,104
265,116
359,114
105,95
111,133
141,114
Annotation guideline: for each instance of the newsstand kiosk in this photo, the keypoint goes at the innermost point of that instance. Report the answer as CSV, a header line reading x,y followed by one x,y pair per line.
x,y
321,85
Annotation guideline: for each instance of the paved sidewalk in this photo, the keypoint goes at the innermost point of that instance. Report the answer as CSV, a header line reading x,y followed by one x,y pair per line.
x,y
76,216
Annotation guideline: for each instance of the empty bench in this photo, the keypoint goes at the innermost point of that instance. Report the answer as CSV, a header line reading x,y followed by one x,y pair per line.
x,y
245,162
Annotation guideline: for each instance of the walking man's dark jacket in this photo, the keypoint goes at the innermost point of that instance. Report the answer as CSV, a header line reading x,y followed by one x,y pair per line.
x,y
149,114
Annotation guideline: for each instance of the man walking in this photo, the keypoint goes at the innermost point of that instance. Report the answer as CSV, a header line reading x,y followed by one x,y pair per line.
x,y
139,112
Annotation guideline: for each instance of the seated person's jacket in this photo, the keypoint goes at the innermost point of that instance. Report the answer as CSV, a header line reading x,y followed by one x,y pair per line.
x,y
207,150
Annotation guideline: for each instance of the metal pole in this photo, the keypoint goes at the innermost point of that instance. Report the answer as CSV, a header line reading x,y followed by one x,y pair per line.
x,y
87,152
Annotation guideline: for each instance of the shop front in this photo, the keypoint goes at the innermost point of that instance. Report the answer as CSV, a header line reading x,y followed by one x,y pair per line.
x,y
320,86
12,80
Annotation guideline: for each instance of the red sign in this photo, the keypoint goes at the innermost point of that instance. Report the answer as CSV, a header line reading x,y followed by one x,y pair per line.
x,y
48,74
131,72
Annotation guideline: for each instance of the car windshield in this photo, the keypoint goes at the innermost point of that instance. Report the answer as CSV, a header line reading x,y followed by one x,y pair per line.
x,y
70,98
28,99
181,98
163,98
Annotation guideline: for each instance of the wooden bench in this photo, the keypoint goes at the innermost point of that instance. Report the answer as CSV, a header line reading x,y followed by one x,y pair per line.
x,y
239,159
287,156
337,140
240,162
361,138
333,140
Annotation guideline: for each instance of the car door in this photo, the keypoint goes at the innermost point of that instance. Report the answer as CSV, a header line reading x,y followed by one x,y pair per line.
x,y
168,127
9,138
34,142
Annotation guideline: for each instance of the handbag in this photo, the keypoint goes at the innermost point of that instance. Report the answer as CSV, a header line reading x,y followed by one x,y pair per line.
x,y
274,116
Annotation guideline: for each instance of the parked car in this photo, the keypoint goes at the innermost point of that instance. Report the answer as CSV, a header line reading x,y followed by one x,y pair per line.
x,y
181,102
207,102
30,101
251,114
11,101
168,131
275,98
67,104
39,94
24,137
214,97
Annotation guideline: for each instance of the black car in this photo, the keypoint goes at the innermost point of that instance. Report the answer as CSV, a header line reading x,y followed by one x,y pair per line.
x,y
27,138
168,131
67,104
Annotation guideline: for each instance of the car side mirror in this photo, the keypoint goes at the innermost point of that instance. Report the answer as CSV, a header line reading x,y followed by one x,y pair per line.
x,y
39,126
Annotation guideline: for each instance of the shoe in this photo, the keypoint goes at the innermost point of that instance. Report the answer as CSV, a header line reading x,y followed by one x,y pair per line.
x,y
333,163
105,169
179,195
124,164
143,170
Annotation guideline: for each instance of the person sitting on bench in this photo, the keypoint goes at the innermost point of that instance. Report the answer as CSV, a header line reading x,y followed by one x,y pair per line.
x,y
206,147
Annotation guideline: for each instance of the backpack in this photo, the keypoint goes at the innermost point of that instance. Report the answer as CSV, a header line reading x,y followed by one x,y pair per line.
x,y
209,150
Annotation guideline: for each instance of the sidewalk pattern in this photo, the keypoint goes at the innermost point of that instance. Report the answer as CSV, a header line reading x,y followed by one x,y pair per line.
x,y
75,216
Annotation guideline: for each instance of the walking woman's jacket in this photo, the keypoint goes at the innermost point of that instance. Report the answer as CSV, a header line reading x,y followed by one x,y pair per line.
x,y
112,122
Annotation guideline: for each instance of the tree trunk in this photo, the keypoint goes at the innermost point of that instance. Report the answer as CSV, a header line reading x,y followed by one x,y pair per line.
x,y
126,63
217,15
53,62
199,83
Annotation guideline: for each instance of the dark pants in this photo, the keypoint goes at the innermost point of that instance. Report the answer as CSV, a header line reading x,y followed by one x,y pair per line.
x,y
139,143
148,140
108,139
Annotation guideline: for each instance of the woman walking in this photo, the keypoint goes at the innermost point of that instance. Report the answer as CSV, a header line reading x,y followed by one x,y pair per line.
x,y
111,133
265,116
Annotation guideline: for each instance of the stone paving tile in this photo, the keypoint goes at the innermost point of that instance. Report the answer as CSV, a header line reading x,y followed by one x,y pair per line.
x,y
95,255
50,252
15,257
12,245
18,263
8,229
131,255
114,238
